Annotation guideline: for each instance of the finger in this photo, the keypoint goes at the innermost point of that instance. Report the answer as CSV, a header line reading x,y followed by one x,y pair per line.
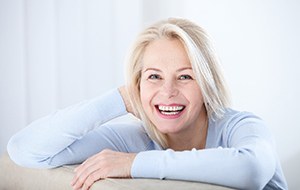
x,y
88,166
80,179
91,179
86,172
82,168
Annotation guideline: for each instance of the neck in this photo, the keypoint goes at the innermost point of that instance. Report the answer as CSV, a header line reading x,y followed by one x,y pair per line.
x,y
193,138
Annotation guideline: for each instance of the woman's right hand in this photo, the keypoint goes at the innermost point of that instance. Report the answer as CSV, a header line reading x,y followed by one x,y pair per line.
x,y
105,164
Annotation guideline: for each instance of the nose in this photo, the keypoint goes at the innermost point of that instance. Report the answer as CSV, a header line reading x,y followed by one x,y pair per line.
x,y
169,88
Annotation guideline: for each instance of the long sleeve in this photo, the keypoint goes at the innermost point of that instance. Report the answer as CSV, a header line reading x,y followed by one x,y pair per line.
x,y
241,156
38,144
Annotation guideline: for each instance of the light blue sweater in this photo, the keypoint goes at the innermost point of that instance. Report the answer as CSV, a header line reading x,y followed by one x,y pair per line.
x,y
239,149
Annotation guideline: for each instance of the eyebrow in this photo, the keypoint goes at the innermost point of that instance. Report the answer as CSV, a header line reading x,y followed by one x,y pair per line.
x,y
158,70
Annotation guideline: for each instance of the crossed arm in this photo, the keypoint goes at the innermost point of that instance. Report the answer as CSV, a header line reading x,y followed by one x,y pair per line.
x,y
107,163
64,137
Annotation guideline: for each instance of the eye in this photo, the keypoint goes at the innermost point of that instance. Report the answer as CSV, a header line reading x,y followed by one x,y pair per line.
x,y
154,77
185,77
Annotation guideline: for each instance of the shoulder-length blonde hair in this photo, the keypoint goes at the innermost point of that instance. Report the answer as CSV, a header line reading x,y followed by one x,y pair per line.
x,y
203,60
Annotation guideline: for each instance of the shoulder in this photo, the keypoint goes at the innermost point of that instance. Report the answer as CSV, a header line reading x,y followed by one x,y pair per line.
x,y
237,124
233,117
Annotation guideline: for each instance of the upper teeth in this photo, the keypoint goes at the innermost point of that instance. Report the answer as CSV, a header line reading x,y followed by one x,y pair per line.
x,y
170,108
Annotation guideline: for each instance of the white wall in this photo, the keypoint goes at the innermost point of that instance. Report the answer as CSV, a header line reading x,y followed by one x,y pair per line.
x,y
259,45
56,52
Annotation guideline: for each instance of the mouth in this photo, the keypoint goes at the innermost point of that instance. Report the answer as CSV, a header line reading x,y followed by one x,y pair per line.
x,y
170,110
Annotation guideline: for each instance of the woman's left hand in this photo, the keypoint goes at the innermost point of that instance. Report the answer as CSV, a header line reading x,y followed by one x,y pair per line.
x,y
105,164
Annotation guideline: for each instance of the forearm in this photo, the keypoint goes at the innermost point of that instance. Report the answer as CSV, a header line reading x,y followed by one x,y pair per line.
x,y
243,158
237,168
36,144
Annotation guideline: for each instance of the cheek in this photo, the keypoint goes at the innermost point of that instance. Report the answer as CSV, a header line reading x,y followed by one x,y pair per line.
x,y
194,96
144,101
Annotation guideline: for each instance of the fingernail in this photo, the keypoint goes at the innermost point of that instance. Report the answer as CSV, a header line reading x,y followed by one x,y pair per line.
x,y
73,182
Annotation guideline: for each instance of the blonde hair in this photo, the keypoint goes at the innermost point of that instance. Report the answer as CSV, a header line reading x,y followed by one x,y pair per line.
x,y
203,60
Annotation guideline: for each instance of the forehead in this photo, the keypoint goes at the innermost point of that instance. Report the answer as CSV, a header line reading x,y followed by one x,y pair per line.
x,y
165,53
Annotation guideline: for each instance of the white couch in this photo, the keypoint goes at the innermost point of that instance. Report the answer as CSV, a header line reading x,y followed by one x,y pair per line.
x,y
14,177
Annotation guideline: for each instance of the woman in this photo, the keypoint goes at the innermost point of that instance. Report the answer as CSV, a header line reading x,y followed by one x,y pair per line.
x,y
186,130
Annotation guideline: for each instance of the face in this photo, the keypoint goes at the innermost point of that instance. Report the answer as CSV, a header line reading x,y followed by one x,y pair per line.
x,y
169,92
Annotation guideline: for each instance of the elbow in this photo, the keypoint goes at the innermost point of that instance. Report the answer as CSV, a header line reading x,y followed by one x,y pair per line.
x,y
259,172
257,177
22,156
14,152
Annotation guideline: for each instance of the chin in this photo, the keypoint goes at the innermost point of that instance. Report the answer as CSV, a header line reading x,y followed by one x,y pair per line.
x,y
168,130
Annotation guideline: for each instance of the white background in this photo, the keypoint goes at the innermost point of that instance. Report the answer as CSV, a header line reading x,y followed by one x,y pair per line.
x,y
54,53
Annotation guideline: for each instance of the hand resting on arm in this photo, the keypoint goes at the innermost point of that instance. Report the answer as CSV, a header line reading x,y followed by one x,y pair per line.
x,y
105,164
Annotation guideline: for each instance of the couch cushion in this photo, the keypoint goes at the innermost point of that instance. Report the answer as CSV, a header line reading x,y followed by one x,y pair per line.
x,y
14,177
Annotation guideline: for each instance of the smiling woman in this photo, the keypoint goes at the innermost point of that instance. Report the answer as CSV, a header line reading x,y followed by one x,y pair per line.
x,y
185,129
170,95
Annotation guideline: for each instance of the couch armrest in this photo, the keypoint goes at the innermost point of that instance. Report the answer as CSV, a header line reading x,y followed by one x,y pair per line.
x,y
13,176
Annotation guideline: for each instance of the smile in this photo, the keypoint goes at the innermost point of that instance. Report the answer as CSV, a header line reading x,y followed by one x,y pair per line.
x,y
170,111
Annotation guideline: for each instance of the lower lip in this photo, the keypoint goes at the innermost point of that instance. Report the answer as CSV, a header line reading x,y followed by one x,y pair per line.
x,y
169,116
